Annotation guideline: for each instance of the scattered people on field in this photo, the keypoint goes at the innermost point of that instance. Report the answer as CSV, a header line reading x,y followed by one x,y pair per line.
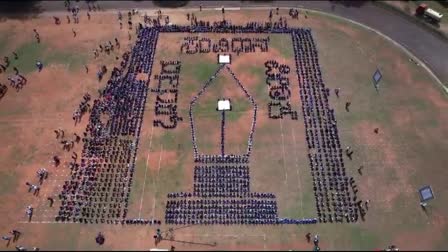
x,y
336,92
36,35
57,21
20,248
360,169
316,240
51,200
308,237
29,212
100,239
56,161
39,65
16,234
7,238
347,106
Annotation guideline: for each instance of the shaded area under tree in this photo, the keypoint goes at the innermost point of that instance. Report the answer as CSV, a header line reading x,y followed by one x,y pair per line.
x,y
170,4
19,9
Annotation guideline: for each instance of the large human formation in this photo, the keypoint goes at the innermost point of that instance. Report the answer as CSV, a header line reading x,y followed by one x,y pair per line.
x,y
194,44
335,192
279,91
221,193
99,185
167,90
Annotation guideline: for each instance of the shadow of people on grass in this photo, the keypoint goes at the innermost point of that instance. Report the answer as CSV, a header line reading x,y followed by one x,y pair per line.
x,y
19,9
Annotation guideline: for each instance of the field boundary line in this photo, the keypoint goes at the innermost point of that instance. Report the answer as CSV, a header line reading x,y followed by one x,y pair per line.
x,y
156,180
400,46
283,152
146,171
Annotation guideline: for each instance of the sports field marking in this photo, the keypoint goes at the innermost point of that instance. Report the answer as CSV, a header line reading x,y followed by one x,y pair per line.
x,y
228,8
283,152
264,242
146,171
281,127
298,168
156,180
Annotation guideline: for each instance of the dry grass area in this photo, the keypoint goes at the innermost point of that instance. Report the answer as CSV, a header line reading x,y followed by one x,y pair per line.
x,y
409,151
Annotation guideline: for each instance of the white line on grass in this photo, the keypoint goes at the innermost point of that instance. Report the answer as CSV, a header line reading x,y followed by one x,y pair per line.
x,y
281,129
156,182
298,168
264,242
283,152
146,170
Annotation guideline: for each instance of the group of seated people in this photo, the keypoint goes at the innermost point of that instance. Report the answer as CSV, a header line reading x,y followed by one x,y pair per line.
x,y
217,211
221,180
226,26
334,200
99,186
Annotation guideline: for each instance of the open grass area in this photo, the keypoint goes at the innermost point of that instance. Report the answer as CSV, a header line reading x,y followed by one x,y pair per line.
x,y
409,151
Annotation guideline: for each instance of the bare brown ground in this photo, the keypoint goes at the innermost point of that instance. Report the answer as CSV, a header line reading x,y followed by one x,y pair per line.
x,y
384,196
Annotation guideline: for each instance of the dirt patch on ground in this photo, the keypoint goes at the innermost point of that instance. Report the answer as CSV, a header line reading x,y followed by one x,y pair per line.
x,y
383,196
422,239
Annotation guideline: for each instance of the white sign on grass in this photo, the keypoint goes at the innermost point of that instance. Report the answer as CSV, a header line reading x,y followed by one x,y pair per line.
x,y
223,105
224,59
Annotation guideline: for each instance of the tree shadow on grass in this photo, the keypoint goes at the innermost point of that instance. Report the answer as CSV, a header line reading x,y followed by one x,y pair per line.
x,y
19,9
350,3
170,4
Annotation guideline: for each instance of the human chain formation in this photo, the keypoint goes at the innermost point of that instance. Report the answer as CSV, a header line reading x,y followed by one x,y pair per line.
x,y
279,91
225,26
229,158
99,186
221,193
333,190
167,93
194,44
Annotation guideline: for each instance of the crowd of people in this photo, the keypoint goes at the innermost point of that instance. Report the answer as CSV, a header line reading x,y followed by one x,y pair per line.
x,y
83,108
227,158
16,81
225,177
335,193
221,211
194,44
99,185
167,90
221,181
294,13
278,81
226,26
